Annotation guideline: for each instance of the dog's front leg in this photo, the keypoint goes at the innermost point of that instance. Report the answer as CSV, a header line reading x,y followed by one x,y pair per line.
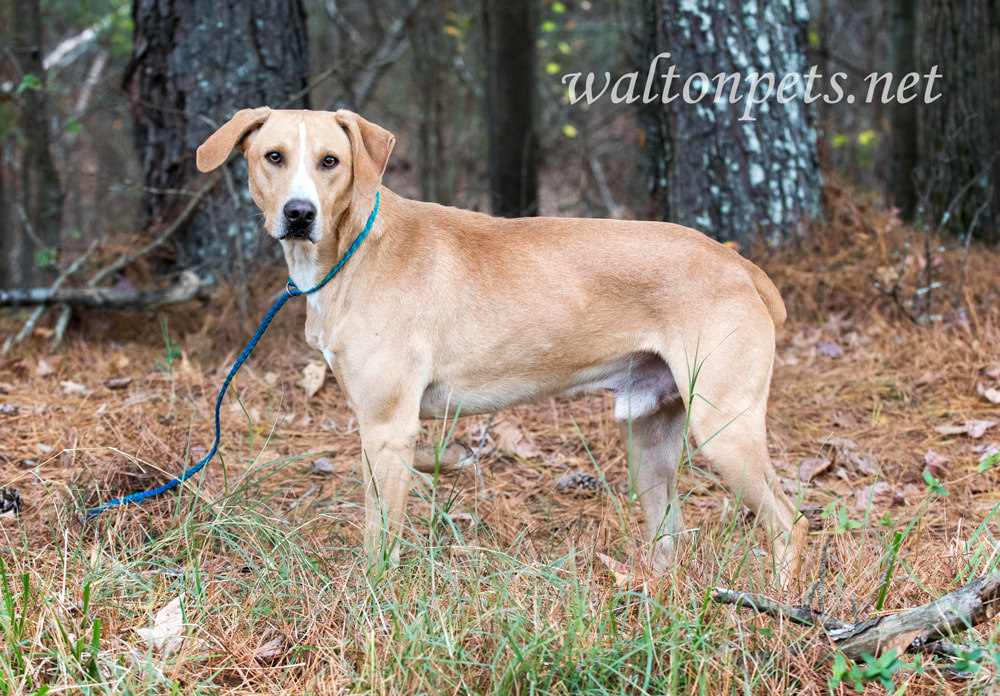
x,y
387,459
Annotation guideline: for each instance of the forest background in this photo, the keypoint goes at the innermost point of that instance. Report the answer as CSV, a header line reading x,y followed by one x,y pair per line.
x,y
130,282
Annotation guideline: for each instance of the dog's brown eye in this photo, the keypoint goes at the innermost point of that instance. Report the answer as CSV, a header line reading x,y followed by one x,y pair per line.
x,y
273,157
329,162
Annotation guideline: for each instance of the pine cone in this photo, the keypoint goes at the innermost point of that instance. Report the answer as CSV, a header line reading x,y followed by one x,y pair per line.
x,y
10,500
578,481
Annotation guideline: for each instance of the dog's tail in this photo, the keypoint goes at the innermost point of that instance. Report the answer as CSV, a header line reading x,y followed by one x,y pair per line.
x,y
768,293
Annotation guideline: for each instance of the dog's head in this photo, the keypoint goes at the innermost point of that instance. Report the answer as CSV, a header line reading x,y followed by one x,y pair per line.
x,y
306,167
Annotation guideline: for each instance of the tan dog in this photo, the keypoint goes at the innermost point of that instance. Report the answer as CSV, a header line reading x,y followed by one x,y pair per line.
x,y
444,310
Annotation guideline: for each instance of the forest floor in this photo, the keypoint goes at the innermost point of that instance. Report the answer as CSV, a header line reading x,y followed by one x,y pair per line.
x,y
521,579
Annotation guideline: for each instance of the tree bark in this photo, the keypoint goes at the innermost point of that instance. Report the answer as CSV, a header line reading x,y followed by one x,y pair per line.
x,y
957,135
733,174
900,188
428,58
194,63
513,141
32,196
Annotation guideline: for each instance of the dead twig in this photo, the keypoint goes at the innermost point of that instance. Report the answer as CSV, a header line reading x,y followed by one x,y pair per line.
x,y
815,591
959,293
482,442
59,331
391,46
934,232
602,185
168,232
920,629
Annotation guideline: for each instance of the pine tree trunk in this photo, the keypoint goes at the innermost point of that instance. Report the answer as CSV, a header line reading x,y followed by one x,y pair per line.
x,y
958,137
428,63
32,196
900,188
513,148
194,63
733,174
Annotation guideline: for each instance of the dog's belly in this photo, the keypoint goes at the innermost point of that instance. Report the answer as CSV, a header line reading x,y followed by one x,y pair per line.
x,y
640,382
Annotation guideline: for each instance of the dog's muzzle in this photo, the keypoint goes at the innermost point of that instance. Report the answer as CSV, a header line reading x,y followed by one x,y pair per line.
x,y
299,216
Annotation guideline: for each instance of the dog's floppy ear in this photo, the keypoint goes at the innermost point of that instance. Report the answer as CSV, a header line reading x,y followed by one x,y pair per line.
x,y
215,151
370,147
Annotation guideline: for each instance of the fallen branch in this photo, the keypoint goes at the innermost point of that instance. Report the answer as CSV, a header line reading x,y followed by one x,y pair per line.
x,y
186,288
29,325
920,629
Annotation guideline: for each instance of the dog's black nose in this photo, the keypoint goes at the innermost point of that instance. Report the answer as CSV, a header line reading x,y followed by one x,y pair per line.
x,y
299,214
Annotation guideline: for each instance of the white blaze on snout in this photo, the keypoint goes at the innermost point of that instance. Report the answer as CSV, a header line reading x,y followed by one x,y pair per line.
x,y
302,186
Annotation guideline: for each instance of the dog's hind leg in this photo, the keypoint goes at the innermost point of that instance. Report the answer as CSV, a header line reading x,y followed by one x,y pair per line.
x,y
727,422
738,451
656,443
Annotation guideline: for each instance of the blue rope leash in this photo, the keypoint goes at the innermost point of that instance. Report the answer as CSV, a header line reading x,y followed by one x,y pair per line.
x,y
290,291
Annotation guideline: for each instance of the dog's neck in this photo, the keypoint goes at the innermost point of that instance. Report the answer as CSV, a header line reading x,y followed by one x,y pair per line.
x,y
308,262
303,263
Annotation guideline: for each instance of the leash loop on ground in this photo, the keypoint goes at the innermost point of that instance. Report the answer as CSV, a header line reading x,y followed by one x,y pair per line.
x,y
291,290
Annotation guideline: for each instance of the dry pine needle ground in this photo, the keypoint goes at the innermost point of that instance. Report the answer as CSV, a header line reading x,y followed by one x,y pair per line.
x,y
525,578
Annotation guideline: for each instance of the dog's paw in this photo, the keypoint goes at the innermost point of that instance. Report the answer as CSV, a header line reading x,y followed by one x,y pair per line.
x,y
463,453
455,456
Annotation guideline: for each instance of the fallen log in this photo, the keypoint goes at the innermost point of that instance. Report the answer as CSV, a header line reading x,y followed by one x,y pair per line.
x,y
185,288
921,629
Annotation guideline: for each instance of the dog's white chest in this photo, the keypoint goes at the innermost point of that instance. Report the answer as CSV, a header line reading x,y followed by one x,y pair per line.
x,y
315,331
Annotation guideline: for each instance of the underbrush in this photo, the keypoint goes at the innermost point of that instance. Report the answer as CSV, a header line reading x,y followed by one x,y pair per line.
x,y
271,604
